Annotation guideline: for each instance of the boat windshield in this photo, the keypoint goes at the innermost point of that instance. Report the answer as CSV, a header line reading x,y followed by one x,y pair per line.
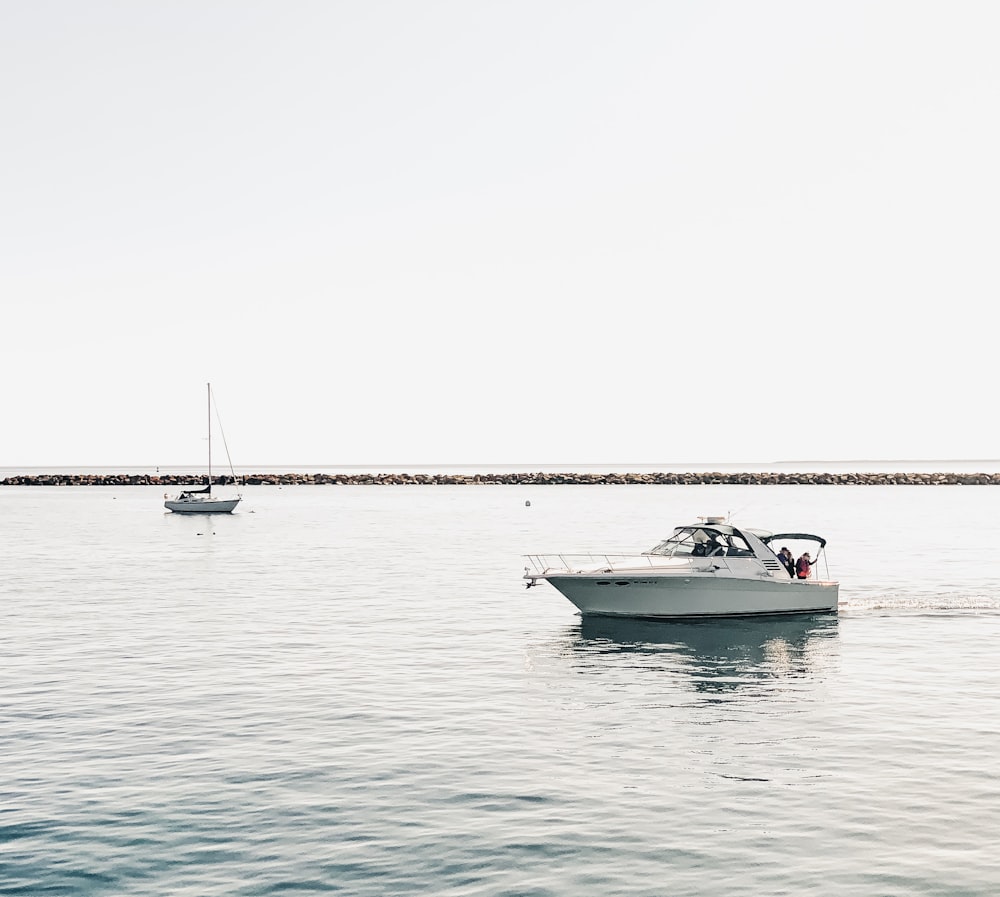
x,y
702,541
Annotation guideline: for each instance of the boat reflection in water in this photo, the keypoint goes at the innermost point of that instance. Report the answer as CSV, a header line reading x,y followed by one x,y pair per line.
x,y
718,656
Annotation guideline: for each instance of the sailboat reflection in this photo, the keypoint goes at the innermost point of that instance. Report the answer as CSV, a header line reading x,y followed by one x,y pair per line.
x,y
719,656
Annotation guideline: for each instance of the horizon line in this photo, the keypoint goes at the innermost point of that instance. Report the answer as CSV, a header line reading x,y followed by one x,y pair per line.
x,y
467,464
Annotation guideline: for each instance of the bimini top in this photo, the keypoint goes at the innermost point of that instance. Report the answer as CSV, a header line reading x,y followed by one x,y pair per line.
x,y
777,537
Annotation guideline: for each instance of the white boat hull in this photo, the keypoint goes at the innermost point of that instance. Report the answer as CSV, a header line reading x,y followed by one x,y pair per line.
x,y
675,596
201,506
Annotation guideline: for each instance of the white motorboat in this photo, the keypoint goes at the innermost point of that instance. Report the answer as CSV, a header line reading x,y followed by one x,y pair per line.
x,y
201,501
705,569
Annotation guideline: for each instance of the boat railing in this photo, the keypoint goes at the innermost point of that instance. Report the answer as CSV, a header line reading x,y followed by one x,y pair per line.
x,y
580,563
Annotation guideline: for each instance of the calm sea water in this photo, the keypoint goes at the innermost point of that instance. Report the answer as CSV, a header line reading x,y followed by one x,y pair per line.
x,y
349,690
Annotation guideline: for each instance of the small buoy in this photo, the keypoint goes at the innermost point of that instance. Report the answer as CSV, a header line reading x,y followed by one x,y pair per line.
x,y
527,504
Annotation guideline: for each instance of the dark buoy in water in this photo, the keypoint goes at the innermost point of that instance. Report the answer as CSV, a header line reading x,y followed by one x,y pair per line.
x,y
527,504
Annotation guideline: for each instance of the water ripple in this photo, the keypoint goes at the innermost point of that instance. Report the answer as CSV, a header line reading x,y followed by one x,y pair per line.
x,y
353,694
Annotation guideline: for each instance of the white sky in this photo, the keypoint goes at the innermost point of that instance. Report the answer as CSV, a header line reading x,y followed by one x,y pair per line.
x,y
480,232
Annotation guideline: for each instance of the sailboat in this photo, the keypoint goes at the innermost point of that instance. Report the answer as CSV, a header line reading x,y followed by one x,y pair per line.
x,y
201,501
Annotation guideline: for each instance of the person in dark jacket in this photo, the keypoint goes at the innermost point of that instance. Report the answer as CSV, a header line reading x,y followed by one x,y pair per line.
x,y
787,561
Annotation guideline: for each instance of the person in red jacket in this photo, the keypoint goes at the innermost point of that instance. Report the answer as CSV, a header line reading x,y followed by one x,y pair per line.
x,y
803,566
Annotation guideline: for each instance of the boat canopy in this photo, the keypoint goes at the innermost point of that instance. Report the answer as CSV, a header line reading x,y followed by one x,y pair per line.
x,y
711,539
707,539
807,536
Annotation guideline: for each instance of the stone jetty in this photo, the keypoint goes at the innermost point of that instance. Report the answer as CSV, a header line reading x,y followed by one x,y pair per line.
x,y
517,479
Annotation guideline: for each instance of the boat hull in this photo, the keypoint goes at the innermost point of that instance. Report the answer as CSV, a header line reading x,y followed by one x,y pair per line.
x,y
688,596
209,506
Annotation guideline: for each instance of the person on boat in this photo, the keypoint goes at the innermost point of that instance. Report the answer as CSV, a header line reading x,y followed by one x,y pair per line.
x,y
700,548
787,561
803,566
706,546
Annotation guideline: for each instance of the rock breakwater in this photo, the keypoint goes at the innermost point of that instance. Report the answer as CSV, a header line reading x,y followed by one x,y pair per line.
x,y
517,479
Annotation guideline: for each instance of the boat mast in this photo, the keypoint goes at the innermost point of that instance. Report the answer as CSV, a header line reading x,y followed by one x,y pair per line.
x,y
209,438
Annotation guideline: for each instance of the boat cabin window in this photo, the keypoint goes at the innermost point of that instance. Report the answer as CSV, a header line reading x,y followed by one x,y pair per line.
x,y
696,541
738,547
691,542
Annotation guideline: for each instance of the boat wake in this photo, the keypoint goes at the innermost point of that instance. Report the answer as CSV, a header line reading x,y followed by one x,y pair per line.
x,y
943,602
